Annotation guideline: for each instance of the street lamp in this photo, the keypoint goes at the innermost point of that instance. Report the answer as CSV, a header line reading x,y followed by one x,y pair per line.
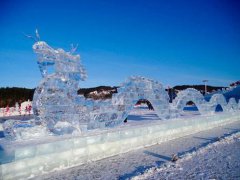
x,y
205,82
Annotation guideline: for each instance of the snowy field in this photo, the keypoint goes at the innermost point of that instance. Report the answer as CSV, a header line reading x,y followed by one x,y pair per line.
x,y
211,154
219,160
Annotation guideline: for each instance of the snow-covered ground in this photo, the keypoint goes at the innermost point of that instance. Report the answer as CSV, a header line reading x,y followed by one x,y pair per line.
x,y
203,156
219,160
141,115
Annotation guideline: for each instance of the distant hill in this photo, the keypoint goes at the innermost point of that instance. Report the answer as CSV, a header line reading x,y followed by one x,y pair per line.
x,y
100,92
200,88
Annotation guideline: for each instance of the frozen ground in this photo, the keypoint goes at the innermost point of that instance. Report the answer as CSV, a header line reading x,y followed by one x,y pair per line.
x,y
203,156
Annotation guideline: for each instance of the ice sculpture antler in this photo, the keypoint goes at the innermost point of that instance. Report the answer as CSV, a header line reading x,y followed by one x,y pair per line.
x,y
73,49
37,35
37,38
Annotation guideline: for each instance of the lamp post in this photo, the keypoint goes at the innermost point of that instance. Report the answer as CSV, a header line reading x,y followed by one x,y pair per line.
x,y
205,82
170,93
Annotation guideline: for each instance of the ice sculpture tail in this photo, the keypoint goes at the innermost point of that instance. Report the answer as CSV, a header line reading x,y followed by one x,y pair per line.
x,y
203,106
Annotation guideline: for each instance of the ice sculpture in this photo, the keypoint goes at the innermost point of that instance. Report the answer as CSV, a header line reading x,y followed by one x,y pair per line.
x,y
54,102
218,99
187,95
112,112
57,106
203,106
59,110
232,105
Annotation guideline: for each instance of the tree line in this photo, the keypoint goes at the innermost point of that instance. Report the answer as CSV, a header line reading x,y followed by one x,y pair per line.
x,y
9,96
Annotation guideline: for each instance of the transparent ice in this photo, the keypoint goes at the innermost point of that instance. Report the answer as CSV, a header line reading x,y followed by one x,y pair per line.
x,y
59,110
203,106
55,99
23,130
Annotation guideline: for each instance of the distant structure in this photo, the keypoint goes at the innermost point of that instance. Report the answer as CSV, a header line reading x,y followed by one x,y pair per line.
x,y
205,83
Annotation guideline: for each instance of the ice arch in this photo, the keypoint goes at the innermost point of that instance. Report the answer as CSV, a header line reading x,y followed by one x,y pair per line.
x,y
218,99
187,95
112,112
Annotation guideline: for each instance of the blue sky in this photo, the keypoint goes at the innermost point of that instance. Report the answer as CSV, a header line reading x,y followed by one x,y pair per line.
x,y
172,41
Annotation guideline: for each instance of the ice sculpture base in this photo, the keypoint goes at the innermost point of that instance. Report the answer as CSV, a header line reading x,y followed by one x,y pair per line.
x,y
33,158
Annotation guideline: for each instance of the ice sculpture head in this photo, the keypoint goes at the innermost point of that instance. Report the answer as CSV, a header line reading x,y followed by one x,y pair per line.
x,y
46,56
63,62
41,47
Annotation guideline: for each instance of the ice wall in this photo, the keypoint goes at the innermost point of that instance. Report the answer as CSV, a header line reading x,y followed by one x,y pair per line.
x,y
33,158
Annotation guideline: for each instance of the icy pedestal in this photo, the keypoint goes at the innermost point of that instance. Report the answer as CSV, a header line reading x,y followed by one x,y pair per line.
x,y
33,158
